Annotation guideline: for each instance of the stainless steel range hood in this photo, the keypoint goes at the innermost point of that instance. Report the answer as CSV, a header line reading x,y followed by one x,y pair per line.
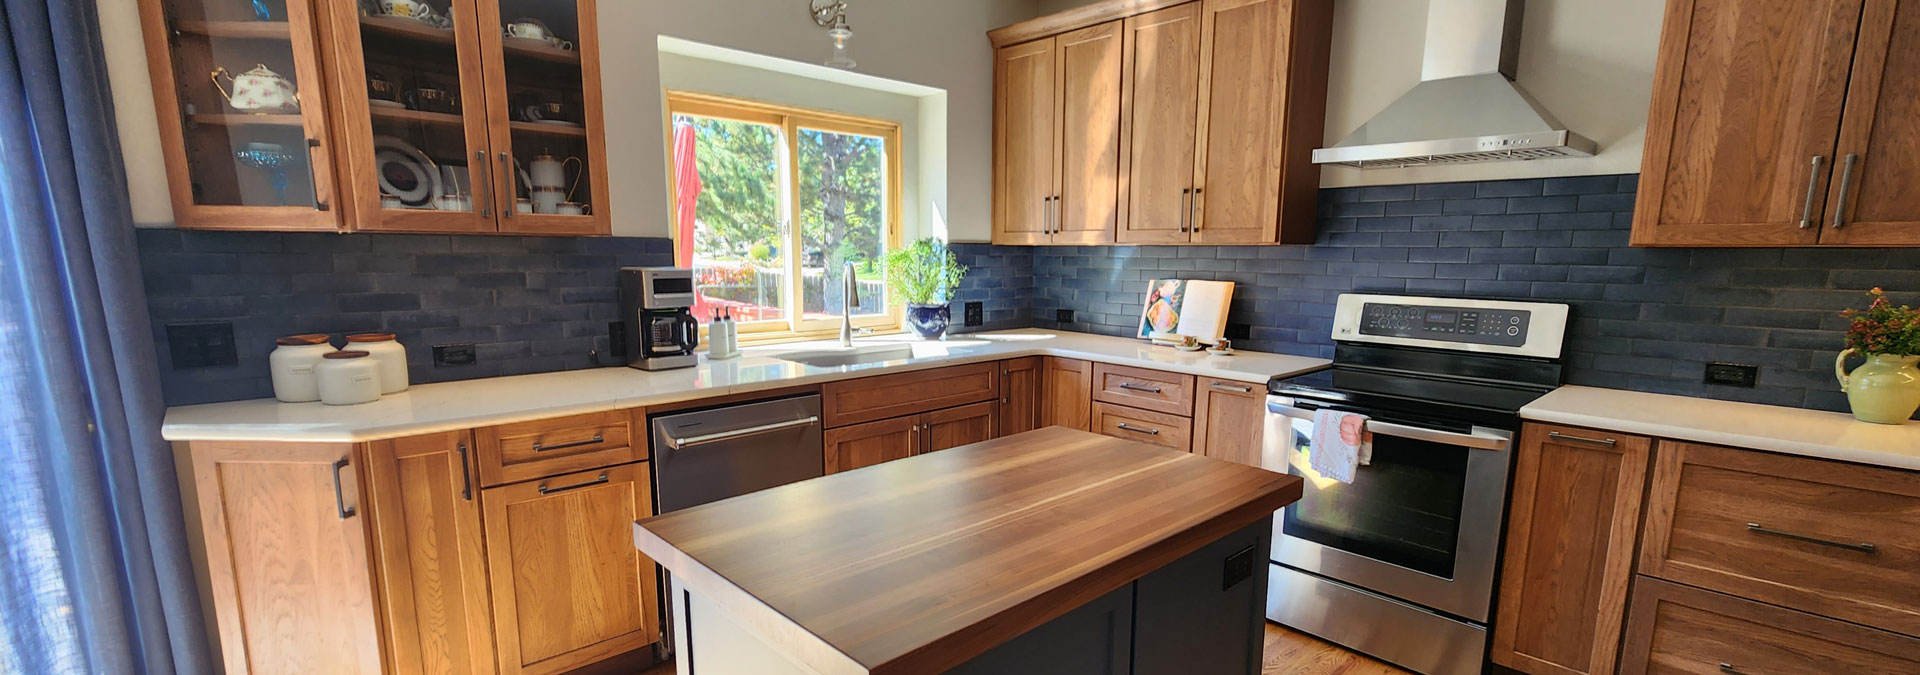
x,y
1466,107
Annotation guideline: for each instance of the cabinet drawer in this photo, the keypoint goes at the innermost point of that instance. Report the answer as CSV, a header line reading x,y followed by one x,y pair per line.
x,y
1825,537
511,453
1678,629
876,398
1144,389
1145,426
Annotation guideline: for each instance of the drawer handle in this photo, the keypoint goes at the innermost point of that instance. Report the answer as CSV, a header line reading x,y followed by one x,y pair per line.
x,y
551,490
597,438
1730,670
1123,426
1140,387
1582,439
1229,387
466,477
1757,528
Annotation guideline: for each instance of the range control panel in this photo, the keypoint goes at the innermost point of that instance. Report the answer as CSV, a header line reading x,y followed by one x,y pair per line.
x,y
1503,327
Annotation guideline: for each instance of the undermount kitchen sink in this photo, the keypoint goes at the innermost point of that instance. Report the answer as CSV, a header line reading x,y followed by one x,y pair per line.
x,y
829,357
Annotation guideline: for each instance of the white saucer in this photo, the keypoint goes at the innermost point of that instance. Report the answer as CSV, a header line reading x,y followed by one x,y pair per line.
x,y
383,103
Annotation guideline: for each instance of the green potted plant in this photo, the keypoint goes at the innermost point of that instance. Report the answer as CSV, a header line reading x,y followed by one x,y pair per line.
x,y
1886,389
925,274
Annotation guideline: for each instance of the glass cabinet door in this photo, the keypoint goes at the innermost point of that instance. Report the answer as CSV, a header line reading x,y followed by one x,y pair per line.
x,y
544,108
414,118
237,84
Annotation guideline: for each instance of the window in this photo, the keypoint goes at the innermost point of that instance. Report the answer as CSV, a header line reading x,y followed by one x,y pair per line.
x,y
745,174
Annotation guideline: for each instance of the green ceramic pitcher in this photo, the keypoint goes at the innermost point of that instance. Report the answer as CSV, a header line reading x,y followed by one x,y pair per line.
x,y
1884,390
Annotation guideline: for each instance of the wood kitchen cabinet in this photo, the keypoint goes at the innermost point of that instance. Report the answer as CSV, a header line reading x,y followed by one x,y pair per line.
x,y
1680,629
862,445
283,542
954,427
1020,395
1783,126
1218,105
568,586
424,509
440,114
1229,420
1066,394
1057,138
1569,552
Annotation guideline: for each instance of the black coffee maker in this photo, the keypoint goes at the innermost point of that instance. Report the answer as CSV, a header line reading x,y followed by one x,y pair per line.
x,y
656,305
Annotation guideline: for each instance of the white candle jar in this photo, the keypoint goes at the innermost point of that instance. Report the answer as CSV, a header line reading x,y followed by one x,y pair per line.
x,y
292,363
348,378
389,353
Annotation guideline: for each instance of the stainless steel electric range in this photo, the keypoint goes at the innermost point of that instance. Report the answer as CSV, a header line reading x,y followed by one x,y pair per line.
x,y
1400,563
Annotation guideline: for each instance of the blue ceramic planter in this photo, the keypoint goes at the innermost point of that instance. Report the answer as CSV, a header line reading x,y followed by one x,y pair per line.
x,y
929,321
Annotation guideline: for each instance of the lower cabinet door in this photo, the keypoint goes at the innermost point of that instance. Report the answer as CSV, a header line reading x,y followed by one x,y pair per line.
x,y
285,537
1066,394
1677,629
1020,395
568,586
424,505
861,445
1229,420
954,427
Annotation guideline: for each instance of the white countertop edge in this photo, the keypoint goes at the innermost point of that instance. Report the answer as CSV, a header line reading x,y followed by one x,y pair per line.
x,y
1752,426
179,425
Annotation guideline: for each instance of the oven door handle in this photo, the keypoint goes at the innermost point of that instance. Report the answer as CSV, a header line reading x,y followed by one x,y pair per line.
x,y
1481,438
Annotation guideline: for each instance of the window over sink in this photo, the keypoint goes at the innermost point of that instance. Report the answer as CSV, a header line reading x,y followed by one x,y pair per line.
x,y
771,202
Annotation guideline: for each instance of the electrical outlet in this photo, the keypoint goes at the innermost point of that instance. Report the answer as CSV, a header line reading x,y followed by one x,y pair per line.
x,y
976,314
1732,374
1063,315
1238,568
1238,331
201,345
617,338
462,354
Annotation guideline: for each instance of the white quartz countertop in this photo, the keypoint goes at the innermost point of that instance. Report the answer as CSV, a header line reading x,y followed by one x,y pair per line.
x,y
430,408
1794,431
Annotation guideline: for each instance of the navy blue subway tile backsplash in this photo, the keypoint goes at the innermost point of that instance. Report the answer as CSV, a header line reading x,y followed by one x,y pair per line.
x,y
1644,319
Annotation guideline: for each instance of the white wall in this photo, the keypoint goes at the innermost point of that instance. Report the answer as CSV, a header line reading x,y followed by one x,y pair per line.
x,y
1588,62
938,43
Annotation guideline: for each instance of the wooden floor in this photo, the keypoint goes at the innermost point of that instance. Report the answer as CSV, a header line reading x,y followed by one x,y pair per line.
x,y
1287,653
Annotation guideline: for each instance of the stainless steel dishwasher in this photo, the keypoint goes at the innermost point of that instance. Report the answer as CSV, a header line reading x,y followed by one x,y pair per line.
x,y
710,455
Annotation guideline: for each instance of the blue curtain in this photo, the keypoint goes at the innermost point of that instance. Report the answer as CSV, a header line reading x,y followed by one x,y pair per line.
x,y
94,575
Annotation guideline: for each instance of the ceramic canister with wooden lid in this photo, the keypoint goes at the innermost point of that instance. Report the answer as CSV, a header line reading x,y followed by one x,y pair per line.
x,y
347,378
389,353
292,363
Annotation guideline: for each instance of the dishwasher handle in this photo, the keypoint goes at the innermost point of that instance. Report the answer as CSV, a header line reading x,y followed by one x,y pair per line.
x,y
704,439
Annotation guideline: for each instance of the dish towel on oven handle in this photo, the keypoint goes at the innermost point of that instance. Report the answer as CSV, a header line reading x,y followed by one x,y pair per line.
x,y
1341,444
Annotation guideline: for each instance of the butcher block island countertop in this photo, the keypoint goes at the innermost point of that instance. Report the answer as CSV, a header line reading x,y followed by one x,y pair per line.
x,y
922,564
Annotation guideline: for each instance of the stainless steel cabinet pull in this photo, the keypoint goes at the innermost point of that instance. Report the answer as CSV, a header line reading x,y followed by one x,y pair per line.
x,y
550,490
318,203
1193,221
485,183
1139,387
1046,215
339,499
1233,388
466,476
513,185
1582,439
717,437
597,438
1846,185
1813,187
1480,438
1123,426
1730,670
1056,214
1186,207
1757,528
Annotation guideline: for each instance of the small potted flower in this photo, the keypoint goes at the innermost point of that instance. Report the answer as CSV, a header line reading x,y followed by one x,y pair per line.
x,y
1886,389
925,274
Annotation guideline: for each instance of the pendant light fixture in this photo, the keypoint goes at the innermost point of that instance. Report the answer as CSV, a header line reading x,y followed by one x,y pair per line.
x,y
832,15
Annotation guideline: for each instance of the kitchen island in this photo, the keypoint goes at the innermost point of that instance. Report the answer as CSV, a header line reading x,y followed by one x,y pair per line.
x,y
1043,552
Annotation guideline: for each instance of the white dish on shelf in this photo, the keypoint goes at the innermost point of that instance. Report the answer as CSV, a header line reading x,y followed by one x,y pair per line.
x,y
383,103
393,152
527,43
559,123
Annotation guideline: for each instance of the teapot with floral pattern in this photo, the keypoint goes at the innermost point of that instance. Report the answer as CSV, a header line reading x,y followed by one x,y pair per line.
x,y
258,91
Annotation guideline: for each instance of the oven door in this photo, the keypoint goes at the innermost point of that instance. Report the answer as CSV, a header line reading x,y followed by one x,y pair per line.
x,y
1421,522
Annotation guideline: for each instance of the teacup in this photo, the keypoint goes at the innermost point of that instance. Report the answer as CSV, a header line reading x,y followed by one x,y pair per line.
x,y
560,44
412,9
573,209
523,205
531,29
453,203
432,100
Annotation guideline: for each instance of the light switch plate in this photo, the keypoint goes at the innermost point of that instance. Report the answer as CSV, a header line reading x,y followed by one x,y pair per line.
x,y
201,345
976,314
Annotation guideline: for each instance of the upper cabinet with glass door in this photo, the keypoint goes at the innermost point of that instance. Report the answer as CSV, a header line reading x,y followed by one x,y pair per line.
x,y
237,87
541,60
472,116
